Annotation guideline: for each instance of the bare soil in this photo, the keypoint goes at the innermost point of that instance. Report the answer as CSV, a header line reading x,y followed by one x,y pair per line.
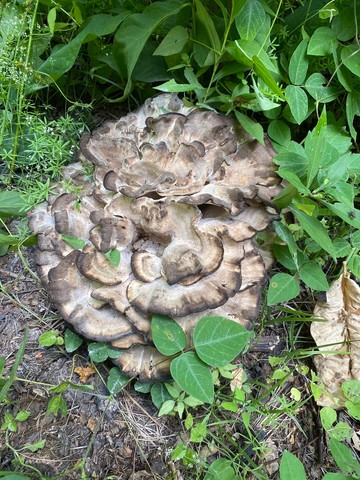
x,y
122,438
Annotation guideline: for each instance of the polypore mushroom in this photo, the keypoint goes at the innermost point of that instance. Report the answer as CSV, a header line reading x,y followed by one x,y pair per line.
x,y
179,193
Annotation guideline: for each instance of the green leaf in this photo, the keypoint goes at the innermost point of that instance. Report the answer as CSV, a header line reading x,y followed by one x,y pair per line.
x,y
116,380
354,265
34,447
282,287
135,31
294,180
355,239
353,411
251,127
279,132
168,336
57,405
336,476
12,204
221,469
343,457
315,229
244,51
193,376
63,57
315,146
218,340
299,63
265,75
51,19
100,351
50,338
22,416
250,20
173,87
209,26
142,387
342,247
297,101
313,276
166,407
173,42
284,233
349,215
74,242
316,85
350,55
351,389
352,109
13,476
114,257
72,341
291,467
159,394
323,42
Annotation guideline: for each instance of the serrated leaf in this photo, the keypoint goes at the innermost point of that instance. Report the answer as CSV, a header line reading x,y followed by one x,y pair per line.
x,y
218,340
193,376
315,229
168,336
299,63
72,341
297,101
251,127
116,380
282,287
173,42
291,467
74,242
313,276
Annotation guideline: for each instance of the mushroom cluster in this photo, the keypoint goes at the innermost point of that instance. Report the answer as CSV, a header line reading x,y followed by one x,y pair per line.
x,y
178,194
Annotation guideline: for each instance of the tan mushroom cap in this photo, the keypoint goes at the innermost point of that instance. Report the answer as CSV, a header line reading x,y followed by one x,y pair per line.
x,y
180,194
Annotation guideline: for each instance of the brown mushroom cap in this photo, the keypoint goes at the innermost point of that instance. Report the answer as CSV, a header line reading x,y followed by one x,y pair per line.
x,y
178,194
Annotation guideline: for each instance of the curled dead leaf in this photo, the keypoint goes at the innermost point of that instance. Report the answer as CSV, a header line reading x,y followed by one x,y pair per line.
x,y
237,380
336,332
84,373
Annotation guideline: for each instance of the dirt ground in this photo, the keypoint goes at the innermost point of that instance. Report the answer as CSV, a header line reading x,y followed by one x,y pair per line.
x,y
122,438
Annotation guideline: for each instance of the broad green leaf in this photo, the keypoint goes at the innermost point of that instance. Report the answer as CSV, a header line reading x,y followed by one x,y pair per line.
x,y
244,51
114,257
172,87
7,240
343,457
159,394
316,138
193,376
221,469
342,247
251,127
166,407
100,351
353,411
13,476
22,416
343,193
350,55
266,77
282,287
250,20
173,42
34,447
328,417
208,24
344,24
72,341
50,338
297,101
336,476
299,63
168,337
315,229
57,405
291,467
292,162
74,242
135,31
352,109
283,255
351,389
354,266
142,387
313,276
284,233
63,57
51,19
349,215
355,239
279,132
316,86
116,380
294,180
340,431
218,340
322,42
12,204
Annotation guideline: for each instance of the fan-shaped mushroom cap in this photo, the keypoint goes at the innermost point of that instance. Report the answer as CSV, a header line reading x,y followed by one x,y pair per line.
x,y
177,196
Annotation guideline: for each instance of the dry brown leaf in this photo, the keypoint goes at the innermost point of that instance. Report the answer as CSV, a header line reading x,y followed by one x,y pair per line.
x,y
338,333
84,373
237,382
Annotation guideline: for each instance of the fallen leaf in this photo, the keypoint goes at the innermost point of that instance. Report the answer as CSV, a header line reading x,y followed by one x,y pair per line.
x,y
337,336
237,382
91,424
84,373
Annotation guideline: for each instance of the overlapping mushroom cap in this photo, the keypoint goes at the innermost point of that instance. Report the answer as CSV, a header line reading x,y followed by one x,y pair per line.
x,y
179,193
